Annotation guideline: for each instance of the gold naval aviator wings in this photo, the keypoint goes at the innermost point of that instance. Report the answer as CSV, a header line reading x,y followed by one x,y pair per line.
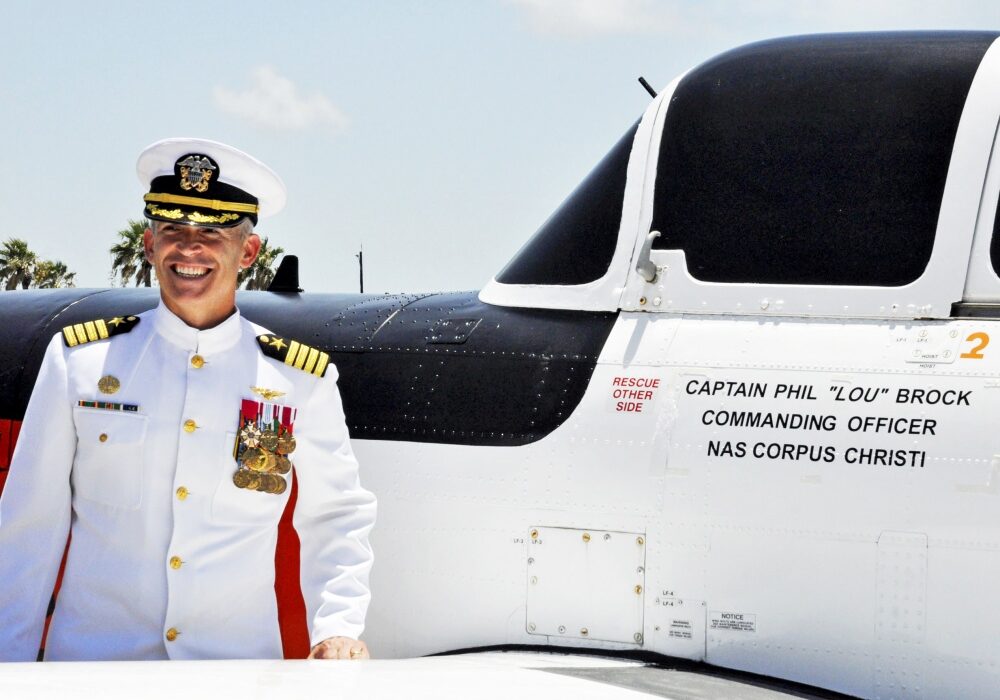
x,y
100,329
294,354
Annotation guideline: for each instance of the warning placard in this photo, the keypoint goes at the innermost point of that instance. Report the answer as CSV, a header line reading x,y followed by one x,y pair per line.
x,y
681,629
732,621
633,394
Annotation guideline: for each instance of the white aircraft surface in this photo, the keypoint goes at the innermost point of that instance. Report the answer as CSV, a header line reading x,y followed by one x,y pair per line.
x,y
487,676
785,460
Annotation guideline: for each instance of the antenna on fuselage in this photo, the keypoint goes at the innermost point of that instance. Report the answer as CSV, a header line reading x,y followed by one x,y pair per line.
x,y
361,268
649,88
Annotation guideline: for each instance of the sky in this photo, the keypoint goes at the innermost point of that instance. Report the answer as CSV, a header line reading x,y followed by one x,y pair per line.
x,y
437,135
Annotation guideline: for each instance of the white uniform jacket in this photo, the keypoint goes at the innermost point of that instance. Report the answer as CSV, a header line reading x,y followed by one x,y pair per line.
x,y
168,558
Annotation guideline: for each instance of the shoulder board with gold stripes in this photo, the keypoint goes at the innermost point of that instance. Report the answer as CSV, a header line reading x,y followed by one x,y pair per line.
x,y
101,329
294,354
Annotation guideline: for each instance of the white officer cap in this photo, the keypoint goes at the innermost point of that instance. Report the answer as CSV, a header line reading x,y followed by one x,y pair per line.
x,y
202,182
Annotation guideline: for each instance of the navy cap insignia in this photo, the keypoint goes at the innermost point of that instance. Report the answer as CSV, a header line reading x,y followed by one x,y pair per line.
x,y
196,172
100,329
294,354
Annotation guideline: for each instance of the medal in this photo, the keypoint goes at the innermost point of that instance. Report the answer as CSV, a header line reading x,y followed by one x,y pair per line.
x,y
270,462
283,465
250,435
264,440
253,481
269,440
286,444
108,384
254,458
269,483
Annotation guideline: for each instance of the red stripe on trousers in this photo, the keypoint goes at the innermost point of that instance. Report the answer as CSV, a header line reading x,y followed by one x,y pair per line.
x,y
287,589
9,430
6,444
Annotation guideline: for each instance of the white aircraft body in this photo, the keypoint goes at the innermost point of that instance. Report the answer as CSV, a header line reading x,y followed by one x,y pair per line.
x,y
797,480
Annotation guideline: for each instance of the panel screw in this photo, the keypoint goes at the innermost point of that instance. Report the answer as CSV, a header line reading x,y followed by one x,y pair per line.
x,y
607,537
640,540
638,637
534,580
534,534
584,632
638,571
586,537
562,629
531,626
531,560
638,590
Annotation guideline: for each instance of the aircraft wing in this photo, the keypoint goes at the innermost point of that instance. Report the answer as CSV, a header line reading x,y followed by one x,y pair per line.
x,y
506,675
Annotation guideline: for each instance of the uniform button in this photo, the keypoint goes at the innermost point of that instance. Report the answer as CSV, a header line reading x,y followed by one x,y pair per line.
x,y
103,437
189,426
172,634
197,361
182,493
175,562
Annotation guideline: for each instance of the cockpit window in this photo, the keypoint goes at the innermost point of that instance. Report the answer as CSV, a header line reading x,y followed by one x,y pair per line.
x,y
817,160
575,245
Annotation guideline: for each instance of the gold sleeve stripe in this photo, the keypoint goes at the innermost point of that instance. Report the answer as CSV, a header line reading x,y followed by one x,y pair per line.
x,y
324,360
293,348
295,354
300,356
215,204
311,360
98,329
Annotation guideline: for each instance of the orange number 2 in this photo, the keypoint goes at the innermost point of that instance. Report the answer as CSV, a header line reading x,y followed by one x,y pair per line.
x,y
976,353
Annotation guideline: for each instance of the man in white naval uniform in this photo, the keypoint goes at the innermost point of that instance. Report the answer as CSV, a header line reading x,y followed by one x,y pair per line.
x,y
144,442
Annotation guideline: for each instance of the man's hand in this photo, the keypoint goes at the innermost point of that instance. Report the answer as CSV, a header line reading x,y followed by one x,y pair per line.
x,y
340,648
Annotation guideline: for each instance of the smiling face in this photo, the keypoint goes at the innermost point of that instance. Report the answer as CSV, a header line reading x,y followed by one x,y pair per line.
x,y
197,267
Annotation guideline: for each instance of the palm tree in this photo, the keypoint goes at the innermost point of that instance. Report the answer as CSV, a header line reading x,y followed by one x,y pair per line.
x,y
260,274
17,263
129,255
52,274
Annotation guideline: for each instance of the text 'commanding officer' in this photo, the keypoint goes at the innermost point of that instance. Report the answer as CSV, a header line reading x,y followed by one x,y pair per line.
x,y
165,444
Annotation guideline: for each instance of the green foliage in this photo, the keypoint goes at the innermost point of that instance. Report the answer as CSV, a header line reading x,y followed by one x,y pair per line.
x,y
128,256
260,274
53,274
20,267
17,263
